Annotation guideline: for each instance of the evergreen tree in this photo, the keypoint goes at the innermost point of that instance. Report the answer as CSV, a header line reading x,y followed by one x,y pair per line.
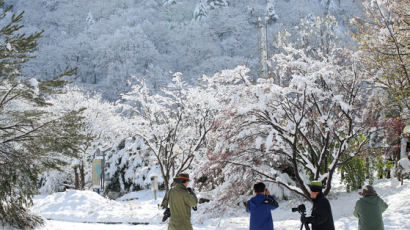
x,y
32,137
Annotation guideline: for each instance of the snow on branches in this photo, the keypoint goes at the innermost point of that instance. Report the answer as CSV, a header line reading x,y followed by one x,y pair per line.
x,y
382,35
294,132
173,123
101,126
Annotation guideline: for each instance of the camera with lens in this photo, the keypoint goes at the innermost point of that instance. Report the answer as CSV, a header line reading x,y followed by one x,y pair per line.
x,y
167,214
301,209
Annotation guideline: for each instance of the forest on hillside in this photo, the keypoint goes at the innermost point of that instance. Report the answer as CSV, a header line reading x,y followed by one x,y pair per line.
x,y
314,90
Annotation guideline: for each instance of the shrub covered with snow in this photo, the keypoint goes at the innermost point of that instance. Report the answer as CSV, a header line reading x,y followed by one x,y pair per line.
x,y
130,166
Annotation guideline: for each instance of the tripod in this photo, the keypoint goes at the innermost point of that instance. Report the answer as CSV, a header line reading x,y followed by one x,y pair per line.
x,y
304,223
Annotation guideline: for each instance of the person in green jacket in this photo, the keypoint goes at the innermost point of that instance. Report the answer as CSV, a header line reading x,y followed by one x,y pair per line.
x,y
369,209
181,200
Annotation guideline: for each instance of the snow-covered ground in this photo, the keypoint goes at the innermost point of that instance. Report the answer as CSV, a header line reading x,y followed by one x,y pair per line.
x,y
70,209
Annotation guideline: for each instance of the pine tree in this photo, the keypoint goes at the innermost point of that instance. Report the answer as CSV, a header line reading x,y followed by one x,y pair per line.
x,y
32,138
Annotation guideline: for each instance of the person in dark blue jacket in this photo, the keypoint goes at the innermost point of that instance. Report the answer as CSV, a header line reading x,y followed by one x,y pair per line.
x,y
260,207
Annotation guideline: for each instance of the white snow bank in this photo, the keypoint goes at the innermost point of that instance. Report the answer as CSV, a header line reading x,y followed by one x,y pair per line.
x,y
84,206
88,206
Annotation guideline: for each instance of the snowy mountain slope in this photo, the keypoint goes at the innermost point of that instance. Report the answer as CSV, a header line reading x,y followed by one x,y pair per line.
x,y
110,40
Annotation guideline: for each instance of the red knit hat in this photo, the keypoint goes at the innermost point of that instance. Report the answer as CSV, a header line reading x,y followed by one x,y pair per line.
x,y
183,176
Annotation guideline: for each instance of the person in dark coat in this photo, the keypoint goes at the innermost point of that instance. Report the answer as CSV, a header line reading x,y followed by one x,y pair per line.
x,y
369,209
321,217
260,207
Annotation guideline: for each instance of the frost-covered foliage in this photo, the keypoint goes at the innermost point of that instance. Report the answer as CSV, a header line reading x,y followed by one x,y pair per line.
x,y
54,181
130,165
102,127
111,40
383,37
102,119
173,124
290,133
129,139
201,10
234,145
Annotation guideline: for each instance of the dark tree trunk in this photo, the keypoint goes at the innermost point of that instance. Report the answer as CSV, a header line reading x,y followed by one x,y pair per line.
x,y
367,167
76,178
82,176
388,174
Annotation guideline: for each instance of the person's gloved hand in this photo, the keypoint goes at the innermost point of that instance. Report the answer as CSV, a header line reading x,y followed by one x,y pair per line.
x,y
270,201
190,190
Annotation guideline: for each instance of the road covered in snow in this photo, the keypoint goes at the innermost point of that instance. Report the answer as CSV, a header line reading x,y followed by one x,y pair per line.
x,y
85,209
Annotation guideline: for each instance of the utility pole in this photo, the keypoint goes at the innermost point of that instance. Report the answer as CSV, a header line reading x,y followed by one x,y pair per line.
x,y
263,50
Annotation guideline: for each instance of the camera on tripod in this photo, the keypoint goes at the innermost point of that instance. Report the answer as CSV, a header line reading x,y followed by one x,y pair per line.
x,y
301,209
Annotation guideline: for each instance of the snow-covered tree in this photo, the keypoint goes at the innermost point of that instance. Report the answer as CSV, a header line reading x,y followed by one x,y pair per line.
x,y
110,40
382,35
173,124
383,39
102,127
298,131
130,166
